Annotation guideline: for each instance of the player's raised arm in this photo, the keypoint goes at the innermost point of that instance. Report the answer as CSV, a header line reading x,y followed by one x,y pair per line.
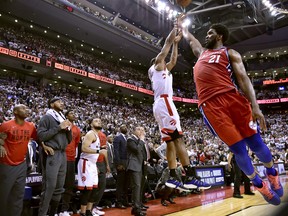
x,y
195,45
160,58
174,54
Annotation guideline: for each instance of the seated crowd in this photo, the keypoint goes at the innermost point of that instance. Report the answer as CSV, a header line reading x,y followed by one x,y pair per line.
x,y
110,20
44,48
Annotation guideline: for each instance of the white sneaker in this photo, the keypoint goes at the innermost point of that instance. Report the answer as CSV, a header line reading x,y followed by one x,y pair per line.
x,y
97,212
94,213
64,213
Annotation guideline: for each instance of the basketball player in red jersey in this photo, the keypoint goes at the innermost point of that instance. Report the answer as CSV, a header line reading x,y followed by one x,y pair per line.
x,y
229,114
14,138
167,116
71,155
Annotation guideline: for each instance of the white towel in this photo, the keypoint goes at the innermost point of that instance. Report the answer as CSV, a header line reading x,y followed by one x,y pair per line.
x,y
58,116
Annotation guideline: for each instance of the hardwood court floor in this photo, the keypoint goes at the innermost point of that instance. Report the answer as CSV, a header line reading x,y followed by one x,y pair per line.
x,y
248,206
213,202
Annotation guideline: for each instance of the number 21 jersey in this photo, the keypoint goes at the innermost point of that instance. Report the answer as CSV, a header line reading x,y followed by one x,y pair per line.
x,y
213,74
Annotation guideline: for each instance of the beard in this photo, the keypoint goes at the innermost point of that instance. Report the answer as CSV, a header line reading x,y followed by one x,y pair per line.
x,y
98,128
210,44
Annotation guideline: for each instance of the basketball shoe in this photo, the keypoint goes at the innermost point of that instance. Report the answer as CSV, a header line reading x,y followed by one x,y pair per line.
x,y
269,195
193,183
275,184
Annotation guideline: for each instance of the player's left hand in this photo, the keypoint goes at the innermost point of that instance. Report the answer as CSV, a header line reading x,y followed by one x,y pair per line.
x,y
258,116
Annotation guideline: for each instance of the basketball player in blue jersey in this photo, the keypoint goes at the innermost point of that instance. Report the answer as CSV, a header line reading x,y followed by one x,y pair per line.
x,y
167,116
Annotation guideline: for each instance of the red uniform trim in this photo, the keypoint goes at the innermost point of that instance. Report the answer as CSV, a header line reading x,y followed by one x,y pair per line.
x,y
165,96
84,165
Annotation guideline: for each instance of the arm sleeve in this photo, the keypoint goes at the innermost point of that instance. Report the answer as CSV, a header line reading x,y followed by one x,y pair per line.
x,y
132,145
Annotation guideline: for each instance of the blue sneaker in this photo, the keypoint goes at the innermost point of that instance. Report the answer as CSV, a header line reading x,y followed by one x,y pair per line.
x,y
193,183
181,188
269,195
172,182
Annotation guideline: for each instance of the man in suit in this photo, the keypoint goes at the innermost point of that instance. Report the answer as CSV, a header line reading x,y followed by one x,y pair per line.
x,y
110,153
136,156
120,161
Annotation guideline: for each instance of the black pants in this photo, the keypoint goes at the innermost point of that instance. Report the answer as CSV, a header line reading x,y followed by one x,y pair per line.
x,y
136,180
122,187
238,175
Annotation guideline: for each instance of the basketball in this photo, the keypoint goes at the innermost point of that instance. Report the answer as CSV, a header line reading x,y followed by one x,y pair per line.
x,y
183,3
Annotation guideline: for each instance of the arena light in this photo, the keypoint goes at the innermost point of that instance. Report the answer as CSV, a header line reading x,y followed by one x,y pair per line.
x,y
174,13
274,10
186,23
167,9
16,20
45,31
273,13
